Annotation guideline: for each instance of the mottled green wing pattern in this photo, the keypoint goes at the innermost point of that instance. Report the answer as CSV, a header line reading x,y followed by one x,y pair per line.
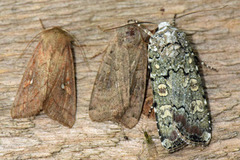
x,y
180,104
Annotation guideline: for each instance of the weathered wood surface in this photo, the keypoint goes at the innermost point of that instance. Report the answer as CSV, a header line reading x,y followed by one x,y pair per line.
x,y
213,28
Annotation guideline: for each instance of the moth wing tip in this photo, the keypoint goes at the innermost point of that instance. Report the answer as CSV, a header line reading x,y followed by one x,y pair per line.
x,y
69,125
130,123
68,122
13,113
95,115
71,122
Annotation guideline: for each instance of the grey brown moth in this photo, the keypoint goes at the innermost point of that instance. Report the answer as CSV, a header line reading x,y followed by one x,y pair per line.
x,y
119,89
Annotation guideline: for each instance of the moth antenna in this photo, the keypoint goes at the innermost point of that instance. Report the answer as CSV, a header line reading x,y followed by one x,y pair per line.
x,y
189,13
42,23
108,29
208,66
78,44
100,28
85,58
133,21
138,23
200,62
82,51
28,45
174,20
99,53
129,22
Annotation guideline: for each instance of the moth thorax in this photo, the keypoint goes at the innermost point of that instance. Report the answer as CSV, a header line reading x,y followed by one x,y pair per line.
x,y
163,25
171,50
132,36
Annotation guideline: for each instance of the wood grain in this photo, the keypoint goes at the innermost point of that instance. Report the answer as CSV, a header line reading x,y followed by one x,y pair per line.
x,y
213,27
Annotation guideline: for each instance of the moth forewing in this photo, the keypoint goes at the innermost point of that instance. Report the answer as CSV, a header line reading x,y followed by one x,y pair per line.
x,y
119,88
48,83
180,103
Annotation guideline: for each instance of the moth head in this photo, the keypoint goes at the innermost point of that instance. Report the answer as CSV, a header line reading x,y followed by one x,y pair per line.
x,y
56,32
56,37
166,39
163,25
129,35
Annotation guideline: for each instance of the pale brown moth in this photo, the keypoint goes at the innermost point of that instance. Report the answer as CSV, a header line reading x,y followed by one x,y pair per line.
x,y
119,88
48,83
